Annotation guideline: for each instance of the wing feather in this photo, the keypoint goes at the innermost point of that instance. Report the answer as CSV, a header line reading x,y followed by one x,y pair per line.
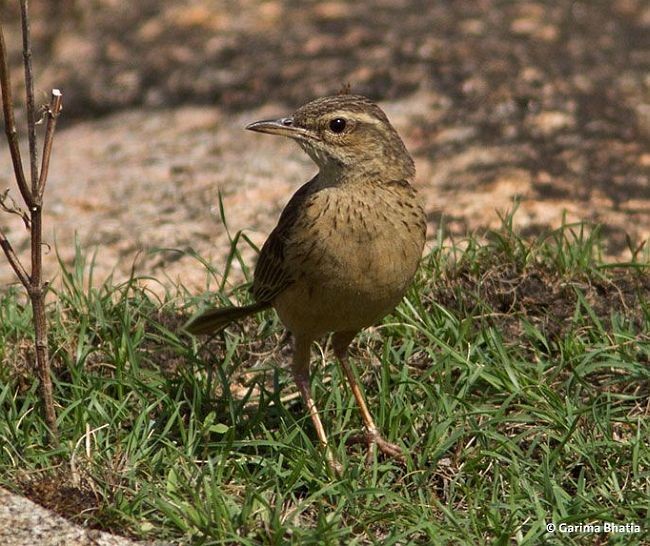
x,y
272,274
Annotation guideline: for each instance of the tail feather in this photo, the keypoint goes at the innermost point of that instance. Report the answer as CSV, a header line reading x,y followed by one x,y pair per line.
x,y
214,320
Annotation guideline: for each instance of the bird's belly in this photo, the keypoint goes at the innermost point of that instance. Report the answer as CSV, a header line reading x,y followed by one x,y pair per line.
x,y
347,283
316,311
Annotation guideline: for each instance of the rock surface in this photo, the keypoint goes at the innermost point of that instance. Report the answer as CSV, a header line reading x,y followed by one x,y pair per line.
x,y
543,102
24,523
141,189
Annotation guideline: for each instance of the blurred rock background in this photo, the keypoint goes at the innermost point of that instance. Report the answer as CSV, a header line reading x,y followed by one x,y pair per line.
x,y
547,102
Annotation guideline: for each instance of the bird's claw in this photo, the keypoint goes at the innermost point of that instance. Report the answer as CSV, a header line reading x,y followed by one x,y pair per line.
x,y
335,467
376,441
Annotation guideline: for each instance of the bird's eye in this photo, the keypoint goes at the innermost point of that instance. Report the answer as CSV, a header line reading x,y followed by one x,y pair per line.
x,y
337,125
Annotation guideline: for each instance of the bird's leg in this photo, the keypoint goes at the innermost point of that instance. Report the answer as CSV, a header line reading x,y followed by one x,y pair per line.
x,y
340,342
300,369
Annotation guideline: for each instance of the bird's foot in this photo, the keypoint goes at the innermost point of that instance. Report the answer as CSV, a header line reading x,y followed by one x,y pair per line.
x,y
387,448
333,464
375,441
336,468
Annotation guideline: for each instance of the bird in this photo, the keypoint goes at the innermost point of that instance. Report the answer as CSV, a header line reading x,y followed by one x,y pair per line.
x,y
346,247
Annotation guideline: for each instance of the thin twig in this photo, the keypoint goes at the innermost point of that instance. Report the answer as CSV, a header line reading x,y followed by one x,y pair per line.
x,y
29,95
13,259
13,208
52,113
10,123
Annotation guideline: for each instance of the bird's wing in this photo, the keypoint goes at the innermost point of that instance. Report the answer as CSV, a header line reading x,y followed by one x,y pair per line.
x,y
272,275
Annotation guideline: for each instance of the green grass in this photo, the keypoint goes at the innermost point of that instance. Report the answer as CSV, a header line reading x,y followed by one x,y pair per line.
x,y
516,374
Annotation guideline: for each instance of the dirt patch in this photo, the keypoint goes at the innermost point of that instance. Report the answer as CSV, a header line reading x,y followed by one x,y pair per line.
x,y
57,493
507,291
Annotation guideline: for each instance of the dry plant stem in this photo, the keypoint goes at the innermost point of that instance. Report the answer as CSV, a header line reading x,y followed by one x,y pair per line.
x,y
13,259
53,111
29,92
10,123
37,289
33,197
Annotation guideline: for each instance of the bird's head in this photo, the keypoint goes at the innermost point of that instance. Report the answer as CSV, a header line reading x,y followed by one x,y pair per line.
x,y
349,133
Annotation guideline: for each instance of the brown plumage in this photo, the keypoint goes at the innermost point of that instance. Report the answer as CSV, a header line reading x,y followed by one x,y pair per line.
x,y
346,246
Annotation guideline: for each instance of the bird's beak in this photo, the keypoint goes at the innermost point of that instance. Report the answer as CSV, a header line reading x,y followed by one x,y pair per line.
x,y
282,127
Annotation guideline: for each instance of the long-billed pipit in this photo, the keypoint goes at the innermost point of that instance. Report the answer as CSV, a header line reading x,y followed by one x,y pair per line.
x,y
346,246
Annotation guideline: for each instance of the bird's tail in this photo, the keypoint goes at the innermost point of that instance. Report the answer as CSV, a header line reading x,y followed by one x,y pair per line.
x,y
214,320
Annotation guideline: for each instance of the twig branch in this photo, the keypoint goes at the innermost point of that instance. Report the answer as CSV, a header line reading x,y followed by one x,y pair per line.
x,y
10,123
22,275
29,95
52,113
13,208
